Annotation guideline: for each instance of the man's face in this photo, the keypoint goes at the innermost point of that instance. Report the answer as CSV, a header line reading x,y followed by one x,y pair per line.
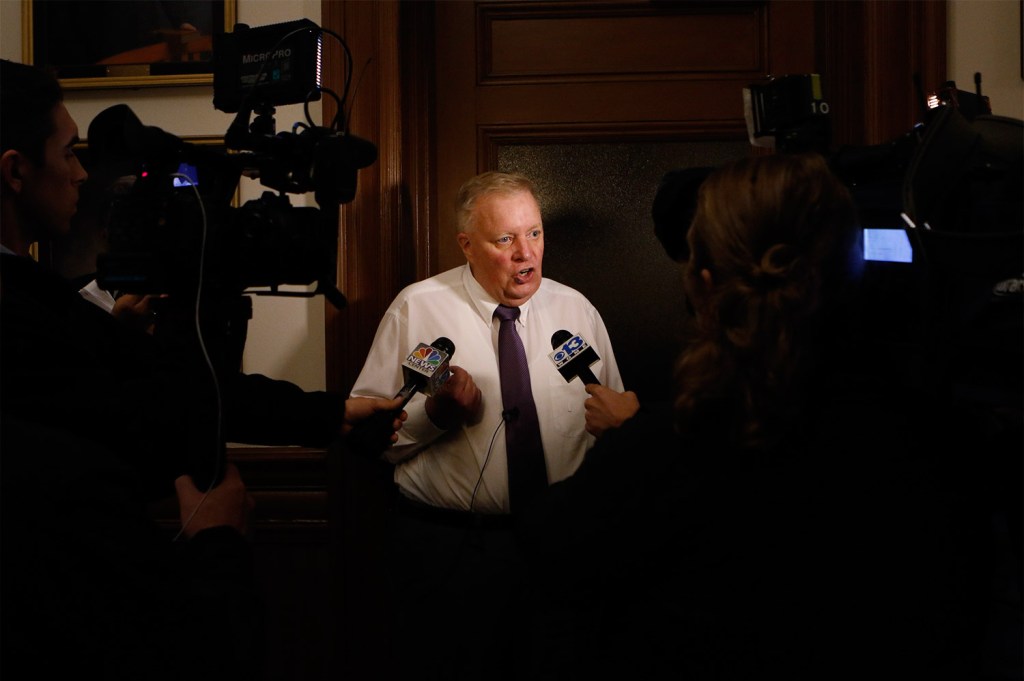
x,y
505,246
49,196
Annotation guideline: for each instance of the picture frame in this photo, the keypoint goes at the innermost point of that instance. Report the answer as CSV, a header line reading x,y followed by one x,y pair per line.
x,y
97,44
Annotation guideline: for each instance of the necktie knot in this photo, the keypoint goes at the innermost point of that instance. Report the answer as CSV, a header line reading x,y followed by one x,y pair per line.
x,y
506,313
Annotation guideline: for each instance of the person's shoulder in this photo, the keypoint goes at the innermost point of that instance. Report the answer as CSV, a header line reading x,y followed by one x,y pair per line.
x,y
447,280
566,302
556,290
25,281
16,269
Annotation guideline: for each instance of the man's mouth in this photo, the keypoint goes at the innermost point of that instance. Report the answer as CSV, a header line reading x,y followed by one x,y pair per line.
x,y
523,274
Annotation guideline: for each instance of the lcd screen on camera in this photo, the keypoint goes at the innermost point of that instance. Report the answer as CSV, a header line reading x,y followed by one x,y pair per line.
x,y
189,171
887,245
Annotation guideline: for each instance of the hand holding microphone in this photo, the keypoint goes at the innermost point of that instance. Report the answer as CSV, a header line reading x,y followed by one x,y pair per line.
x,y
359,409
457,402
605,408
426,369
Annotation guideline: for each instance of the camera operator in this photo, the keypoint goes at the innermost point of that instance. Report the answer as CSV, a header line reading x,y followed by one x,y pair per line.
x,y
96,424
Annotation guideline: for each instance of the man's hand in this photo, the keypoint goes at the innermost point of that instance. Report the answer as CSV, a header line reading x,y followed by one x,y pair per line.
x,y
458,401
226,504
607,409
136,310
358,409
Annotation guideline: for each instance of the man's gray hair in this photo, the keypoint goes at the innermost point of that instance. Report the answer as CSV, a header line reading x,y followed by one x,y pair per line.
x,y
491,182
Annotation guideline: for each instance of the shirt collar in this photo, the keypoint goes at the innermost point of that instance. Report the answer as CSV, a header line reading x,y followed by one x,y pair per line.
x,y
484,303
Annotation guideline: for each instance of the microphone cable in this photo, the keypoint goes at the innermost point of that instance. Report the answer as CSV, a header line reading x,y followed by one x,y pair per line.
x,y
206,355
506,416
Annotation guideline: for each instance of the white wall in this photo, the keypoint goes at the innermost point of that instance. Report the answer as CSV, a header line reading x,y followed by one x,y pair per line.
x,y
985,37
286,335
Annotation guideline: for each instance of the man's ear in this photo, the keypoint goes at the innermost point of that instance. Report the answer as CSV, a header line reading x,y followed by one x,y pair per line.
x,y
12,163
464,241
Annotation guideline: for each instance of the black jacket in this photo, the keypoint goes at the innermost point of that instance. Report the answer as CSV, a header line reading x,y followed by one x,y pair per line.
x,y
66,363
857,546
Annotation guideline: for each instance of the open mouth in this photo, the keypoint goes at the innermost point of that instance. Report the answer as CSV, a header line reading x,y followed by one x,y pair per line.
x,y
522,275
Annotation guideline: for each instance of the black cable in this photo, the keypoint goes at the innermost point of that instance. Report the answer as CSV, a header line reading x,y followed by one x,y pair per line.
x,y
348,66
490,448
218,437
323,90
346,118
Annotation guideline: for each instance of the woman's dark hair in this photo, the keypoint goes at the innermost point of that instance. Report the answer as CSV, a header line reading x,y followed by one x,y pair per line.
x,y
772,243
28,96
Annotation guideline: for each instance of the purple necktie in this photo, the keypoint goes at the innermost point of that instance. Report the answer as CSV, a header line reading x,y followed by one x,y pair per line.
x,y
527,474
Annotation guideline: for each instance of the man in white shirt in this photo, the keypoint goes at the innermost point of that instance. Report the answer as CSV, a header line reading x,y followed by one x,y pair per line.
x,y
451,467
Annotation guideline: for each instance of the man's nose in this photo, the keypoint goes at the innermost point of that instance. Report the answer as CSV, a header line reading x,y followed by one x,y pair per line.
x,y
81,175
524,249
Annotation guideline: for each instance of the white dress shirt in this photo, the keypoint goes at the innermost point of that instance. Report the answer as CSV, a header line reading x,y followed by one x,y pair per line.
x,y
442,468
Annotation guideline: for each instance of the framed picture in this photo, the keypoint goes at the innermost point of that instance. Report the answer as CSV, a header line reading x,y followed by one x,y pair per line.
x,y
124,43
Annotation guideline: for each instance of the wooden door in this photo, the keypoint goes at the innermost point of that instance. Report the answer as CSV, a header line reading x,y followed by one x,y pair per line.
x,y
597,101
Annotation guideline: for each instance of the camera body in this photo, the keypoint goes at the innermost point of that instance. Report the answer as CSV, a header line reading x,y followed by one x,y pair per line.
x,y
176,229
788,113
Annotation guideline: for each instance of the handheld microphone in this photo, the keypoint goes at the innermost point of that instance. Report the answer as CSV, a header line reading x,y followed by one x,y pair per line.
x,y
573,356
425,370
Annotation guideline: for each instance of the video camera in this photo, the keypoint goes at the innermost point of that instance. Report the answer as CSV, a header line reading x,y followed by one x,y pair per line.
x,y
175,231
788,113
941,212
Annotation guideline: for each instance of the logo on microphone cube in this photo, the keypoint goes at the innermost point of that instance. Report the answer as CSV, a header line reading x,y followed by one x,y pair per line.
x,y
569,350
430,365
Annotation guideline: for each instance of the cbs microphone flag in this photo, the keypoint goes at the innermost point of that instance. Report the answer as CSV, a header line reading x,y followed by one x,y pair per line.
x,y
569,349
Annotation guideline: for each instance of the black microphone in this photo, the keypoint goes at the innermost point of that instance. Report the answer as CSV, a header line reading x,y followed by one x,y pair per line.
x,y
425,370
573,356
